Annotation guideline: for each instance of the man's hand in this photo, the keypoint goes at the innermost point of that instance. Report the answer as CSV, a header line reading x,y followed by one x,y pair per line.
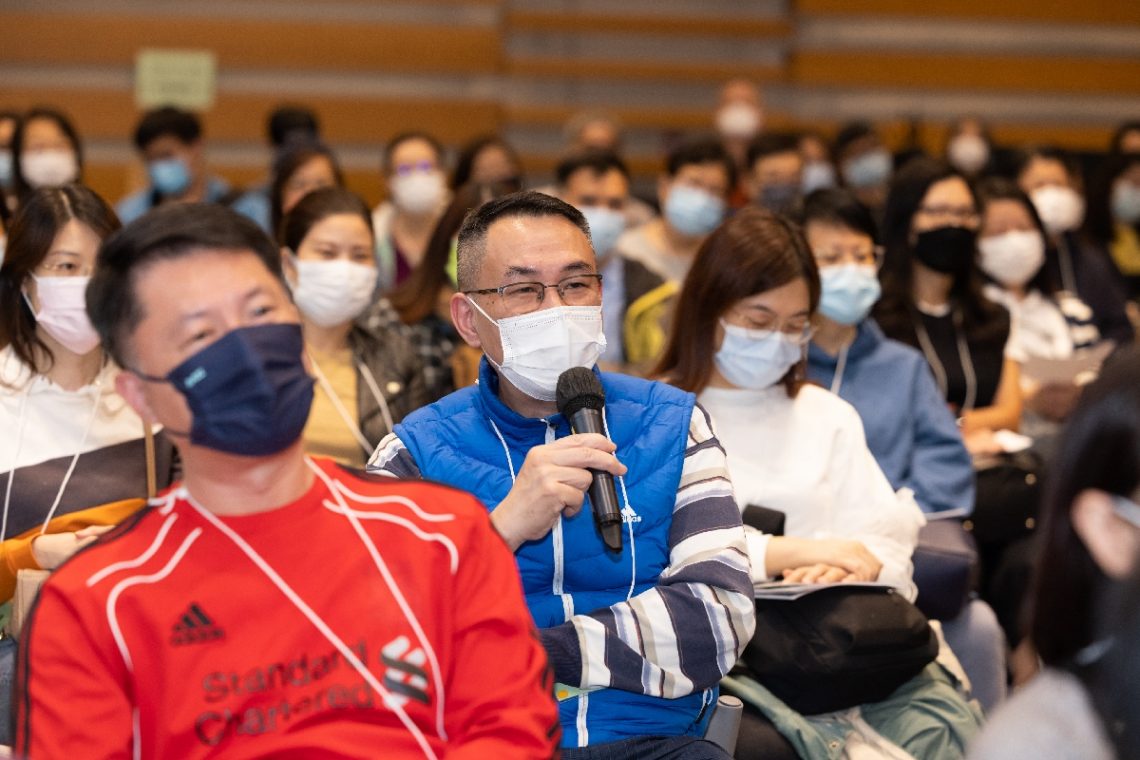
x,y
51,549
553,481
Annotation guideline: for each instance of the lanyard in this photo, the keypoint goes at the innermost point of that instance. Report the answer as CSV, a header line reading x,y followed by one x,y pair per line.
x,y
840,367
350,423
330,635
70,468
940,370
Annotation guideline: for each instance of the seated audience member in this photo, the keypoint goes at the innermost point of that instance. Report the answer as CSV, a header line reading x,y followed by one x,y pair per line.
x,y
272,604
1090,541
639,637
46,152
421,306
297,172
910,431
1126,139
367,379
286,128
932,300
70,441
1051,180
865,165
592,131
1113,220
797,449
819,169
486,161
775,172
597,184
693,193
417,196
170,141
738,119
1046,322
969,147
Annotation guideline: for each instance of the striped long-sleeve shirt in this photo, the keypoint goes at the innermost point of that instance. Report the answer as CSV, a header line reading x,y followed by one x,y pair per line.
x,y
682,633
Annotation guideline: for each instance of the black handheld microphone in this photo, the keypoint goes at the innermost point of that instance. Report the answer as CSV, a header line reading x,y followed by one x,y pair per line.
x,y
580,399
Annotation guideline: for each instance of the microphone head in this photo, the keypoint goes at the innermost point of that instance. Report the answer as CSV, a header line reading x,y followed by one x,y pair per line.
x,y
579,388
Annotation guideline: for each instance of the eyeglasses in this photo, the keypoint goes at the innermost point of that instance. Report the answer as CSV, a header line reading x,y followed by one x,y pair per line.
x,y
523,297
1126,510
865,256
797,329
62,267
966,214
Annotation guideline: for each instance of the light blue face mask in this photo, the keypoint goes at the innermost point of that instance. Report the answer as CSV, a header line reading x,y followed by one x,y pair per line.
x,y
169,176
868,170
693,211
753,359
818,175
848,292
1126,203
606,226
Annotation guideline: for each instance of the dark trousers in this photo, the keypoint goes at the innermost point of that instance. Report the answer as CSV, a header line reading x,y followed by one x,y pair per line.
x,y
650,748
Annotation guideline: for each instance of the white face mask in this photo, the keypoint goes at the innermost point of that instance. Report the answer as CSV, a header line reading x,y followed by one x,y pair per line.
x,y
49,168
1061,208
739,121
818,175
1012,258
968,153
63,312
419,192
606,226
748,361
538,347
330,293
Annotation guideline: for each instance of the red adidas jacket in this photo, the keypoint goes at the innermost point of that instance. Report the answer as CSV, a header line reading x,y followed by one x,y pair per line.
x,y
165,640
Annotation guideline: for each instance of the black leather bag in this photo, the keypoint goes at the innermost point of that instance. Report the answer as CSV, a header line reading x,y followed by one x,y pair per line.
x,y
839,646
1008,492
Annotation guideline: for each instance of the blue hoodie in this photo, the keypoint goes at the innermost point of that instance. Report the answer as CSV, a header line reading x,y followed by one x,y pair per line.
x,y
910,430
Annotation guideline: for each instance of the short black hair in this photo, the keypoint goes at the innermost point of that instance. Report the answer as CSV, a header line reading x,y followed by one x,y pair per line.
x,y
528,203
704,150
289,124
167,120
839,207
170,231
851,132
598,161
771,144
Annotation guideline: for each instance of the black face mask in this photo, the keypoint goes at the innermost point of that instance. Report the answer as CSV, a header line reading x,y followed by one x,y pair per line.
x,y
949,250
779,199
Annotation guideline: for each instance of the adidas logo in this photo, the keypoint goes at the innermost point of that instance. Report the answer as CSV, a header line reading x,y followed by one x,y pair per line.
x,y
195,627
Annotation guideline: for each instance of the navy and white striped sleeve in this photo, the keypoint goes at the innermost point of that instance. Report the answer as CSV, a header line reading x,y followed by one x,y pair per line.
x,y
393,459
685,633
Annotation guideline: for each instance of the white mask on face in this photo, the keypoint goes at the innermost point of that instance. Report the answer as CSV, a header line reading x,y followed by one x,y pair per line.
x,y
63,312
739,121
538,347
753,362
606,226
49,168
330,293
968,153
1012,258
419,192
1061,208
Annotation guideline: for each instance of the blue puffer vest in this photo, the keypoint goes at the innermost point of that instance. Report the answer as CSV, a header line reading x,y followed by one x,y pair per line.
x,y
570,570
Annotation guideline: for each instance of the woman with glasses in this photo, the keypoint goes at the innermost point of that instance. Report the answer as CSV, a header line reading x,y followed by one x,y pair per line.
x,y
367,378
932,300
749,301
70,442
909,428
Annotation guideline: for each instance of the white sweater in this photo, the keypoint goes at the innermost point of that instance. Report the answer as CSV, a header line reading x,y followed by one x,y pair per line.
x,y
808,457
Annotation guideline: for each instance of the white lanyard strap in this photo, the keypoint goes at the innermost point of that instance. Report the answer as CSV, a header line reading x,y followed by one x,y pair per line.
x,y
349,655
840,368
348,419
940,370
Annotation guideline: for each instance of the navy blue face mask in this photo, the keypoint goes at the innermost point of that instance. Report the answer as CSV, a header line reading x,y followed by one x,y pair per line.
x,y
249,391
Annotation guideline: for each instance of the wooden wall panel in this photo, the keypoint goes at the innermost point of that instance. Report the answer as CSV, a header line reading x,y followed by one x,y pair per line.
x,y
1063,11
